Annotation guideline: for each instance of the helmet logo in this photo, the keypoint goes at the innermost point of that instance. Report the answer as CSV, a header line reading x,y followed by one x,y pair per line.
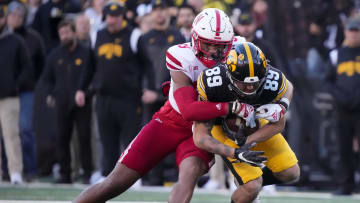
x,y
215,25
232,60
241,57
113,7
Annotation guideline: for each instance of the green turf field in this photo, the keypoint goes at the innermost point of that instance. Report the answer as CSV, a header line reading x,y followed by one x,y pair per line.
x,y
50,193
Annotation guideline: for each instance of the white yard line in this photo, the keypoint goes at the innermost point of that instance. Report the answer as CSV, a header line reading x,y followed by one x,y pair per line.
x,y
40,201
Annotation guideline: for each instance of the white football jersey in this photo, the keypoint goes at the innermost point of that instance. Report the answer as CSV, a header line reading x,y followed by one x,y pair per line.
x,y
181,57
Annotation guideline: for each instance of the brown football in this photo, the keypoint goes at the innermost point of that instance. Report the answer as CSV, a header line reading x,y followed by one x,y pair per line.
x,y
234,123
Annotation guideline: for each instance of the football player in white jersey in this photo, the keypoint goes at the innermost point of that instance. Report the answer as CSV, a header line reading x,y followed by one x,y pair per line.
x,y
170,129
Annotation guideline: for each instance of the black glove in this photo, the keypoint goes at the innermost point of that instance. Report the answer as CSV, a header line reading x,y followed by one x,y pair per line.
x,y
244,154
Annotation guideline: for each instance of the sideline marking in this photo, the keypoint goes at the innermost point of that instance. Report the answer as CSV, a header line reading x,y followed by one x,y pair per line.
x,y
40,201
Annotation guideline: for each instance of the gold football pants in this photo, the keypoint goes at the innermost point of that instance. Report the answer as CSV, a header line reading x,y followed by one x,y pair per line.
x,y
278,152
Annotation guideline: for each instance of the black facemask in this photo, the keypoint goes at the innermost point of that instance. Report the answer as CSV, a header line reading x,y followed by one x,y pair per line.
x,y
218,56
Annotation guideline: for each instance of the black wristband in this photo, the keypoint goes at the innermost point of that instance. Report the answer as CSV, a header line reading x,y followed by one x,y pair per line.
x,y
284,104
240,140
236,152
233,107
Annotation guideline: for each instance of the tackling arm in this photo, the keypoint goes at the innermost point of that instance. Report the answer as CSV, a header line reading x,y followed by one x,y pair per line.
x,y
186,98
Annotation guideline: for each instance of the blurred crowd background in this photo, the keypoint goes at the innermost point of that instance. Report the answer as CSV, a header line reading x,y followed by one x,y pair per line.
x,y
111,56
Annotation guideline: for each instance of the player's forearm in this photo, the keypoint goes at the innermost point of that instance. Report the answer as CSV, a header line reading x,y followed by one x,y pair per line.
x,y
289,91
210,144
267,131
204,140
193,110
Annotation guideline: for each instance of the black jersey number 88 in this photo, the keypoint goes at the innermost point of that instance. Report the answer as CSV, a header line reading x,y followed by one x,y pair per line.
x,y
213,78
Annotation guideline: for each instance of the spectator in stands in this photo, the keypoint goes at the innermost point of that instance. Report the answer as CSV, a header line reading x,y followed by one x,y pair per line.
x,y
48,17
185,18
16,18
345,82
198,5
16,73
326,31
156,42
32,7
245,25
145,23
118,55
94,13
61,76
82,27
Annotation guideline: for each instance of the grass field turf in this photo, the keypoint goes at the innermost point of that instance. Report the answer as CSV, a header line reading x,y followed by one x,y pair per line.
x,y
48,193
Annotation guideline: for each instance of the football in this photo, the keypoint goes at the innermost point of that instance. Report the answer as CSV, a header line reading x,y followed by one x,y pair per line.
x,y
237,124
234,123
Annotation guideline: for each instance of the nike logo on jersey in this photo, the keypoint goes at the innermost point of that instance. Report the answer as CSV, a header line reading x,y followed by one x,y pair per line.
x,y
194,68
158,120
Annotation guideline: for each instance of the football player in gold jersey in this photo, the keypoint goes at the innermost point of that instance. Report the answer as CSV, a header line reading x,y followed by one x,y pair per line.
x,y
247,78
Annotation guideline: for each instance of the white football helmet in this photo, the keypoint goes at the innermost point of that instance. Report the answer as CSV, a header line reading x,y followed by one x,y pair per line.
x,y
212,27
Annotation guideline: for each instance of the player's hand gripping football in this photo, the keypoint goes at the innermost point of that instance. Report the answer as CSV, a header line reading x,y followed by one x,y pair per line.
x,y
245,111
254,158
271,112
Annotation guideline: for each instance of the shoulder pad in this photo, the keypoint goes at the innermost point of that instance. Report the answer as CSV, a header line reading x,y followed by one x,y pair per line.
x,y
275,86
177,57
213,85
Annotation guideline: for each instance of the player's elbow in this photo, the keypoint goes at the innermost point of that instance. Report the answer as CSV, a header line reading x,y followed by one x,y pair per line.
x,y
197,140
290,89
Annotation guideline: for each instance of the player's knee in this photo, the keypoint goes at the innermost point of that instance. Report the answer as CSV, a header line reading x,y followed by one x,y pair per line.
x,y
290,175
247,192
253,186
192,165
191,169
